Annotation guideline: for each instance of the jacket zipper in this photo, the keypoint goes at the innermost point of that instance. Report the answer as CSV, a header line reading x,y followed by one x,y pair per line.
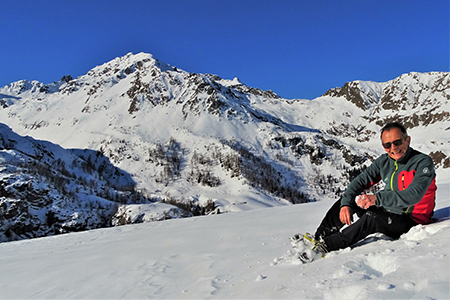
x,y
403,182
392,177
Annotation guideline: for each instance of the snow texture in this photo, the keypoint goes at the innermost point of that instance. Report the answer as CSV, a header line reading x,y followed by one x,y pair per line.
x,y
231,256
125,109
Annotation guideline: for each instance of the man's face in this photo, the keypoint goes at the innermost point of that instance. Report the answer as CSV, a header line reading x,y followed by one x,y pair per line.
x,y
391,136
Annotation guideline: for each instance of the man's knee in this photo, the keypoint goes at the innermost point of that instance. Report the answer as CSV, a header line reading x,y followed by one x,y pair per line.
x,y
392,225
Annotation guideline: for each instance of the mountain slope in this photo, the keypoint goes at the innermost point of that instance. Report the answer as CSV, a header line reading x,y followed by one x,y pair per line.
x,y
415,99
194,139
47,190
230,256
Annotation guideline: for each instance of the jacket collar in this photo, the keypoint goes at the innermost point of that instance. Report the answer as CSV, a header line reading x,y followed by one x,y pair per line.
x,y
405,157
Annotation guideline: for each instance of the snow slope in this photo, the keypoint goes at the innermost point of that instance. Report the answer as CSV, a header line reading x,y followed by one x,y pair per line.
x,y
126,107
231,256
130,107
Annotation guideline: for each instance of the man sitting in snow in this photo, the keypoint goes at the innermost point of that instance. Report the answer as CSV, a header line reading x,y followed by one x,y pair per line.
x,y
408,199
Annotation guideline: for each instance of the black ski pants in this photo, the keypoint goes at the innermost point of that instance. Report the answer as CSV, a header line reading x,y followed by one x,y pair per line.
x,y
373,220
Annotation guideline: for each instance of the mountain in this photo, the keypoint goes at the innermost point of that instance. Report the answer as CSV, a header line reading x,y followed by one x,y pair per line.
x,y
418,100
414,99
47,190
187,144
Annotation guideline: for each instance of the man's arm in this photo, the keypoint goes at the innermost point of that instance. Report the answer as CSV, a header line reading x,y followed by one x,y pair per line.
x,y
367,178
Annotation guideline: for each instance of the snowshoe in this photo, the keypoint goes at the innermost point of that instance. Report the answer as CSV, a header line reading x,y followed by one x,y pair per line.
x,y
308,249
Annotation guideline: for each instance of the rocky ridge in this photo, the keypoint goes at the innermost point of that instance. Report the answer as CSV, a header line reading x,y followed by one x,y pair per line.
x,y
186,144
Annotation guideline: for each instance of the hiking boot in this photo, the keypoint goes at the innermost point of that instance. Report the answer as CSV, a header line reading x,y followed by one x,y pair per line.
x,y
300,241
323,232
308,249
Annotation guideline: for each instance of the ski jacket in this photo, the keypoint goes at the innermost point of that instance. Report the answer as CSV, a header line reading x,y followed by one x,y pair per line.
x,y
410,185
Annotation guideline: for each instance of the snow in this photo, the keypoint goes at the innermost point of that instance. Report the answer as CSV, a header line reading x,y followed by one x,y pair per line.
x,y
230,256
92,112
246,252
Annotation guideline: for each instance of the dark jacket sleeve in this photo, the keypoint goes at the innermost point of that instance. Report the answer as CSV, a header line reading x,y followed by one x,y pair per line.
x,y
366,179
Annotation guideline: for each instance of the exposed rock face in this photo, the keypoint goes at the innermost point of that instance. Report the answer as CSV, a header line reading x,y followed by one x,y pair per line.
x,y
145,141
415,99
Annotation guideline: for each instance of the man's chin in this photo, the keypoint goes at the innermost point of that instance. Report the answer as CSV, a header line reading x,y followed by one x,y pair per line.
x,y
396,156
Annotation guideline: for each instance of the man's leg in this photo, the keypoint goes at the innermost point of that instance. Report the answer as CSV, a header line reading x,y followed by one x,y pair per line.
x,y
331,223
375,220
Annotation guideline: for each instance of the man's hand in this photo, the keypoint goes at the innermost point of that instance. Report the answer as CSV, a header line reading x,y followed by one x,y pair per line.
x,y
366,201
346,215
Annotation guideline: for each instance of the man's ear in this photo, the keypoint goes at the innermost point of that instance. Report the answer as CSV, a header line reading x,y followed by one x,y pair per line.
x,y
408,139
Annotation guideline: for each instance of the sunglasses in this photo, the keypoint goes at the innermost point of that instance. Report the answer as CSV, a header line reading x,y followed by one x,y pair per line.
x,y
396,143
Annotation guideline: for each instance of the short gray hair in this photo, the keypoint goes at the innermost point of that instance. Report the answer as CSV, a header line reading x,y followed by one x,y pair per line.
x,y
391,125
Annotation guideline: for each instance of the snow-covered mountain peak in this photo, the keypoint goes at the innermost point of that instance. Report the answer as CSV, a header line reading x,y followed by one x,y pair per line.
x,y
402,93
415,99
27,89
192,138
363,94
127,64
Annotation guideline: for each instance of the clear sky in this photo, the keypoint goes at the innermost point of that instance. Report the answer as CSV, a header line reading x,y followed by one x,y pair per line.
x,y
298,49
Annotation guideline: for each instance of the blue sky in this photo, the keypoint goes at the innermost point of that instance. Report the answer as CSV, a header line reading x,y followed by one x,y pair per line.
x,y
298,49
